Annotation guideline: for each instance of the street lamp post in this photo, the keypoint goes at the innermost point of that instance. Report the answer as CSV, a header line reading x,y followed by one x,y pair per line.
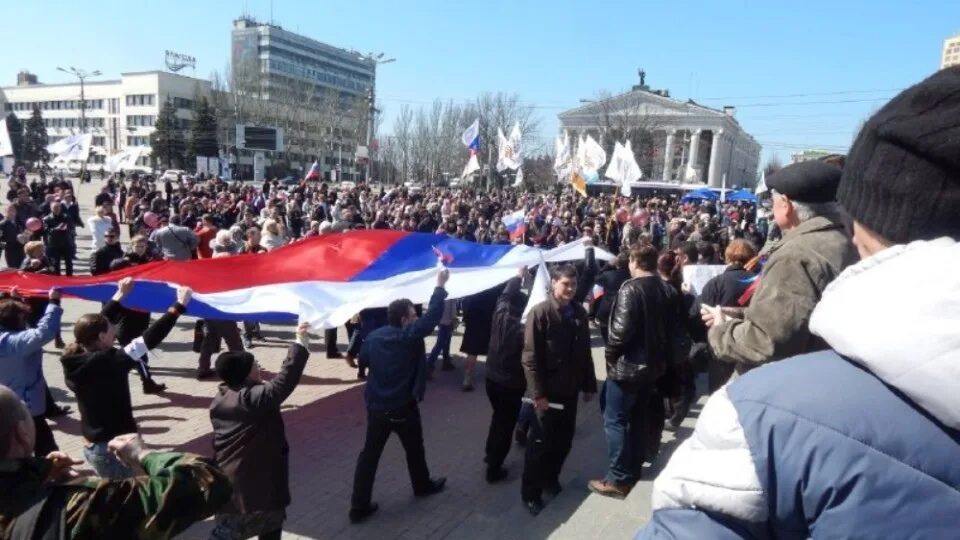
x,y
82,76
377,59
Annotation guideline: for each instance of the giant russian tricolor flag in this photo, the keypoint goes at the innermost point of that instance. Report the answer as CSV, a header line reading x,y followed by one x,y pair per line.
x,y
324,280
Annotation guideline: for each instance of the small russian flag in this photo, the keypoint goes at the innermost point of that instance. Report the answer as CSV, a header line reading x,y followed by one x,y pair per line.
x,y
515,224
597,292
314,172
444,258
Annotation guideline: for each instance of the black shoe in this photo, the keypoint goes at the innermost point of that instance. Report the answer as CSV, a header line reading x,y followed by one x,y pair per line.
x,y
447,366
358,515
335,355
553,489
496,475
152,387
436,486
56,412
520,435
205,374
58,343
534,507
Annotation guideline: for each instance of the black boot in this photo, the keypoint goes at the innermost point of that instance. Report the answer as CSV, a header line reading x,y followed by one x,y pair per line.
x,y
151,386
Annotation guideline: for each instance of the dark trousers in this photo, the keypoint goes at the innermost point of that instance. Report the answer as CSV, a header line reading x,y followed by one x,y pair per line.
x,y
551,438
625,422
406,424
44,439
506,408
217,331
131,326
330,340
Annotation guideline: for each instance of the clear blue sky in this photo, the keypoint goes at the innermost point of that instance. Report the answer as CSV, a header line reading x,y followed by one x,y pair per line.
x,y
851,54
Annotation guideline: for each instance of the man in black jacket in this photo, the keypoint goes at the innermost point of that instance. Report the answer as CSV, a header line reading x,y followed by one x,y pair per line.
x,y
250,443
609,281
101,259
505,380
639,347
59,226
558,366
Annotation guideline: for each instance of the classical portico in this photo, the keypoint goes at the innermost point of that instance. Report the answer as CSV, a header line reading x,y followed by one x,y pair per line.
x,y
673,141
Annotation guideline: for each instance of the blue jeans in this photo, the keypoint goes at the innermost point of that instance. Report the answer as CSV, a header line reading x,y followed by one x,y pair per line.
x,y
442,346
624,410
105,463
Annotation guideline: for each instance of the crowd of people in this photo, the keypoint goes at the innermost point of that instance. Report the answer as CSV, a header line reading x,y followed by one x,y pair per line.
x,y
782,434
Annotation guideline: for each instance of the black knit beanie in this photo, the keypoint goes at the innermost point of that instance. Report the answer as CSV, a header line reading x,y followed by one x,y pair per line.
x,y
902,177
233,367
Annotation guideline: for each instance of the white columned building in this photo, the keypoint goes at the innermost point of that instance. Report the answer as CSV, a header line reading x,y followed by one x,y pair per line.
x,y
674,141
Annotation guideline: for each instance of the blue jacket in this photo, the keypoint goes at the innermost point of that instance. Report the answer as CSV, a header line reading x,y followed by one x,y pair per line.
x,y
21,359
861,441
396,358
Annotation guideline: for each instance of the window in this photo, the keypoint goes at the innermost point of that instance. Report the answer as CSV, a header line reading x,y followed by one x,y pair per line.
x,y
134,140
140,120
139,100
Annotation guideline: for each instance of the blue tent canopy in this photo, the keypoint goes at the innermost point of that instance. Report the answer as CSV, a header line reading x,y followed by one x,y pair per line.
x,y
700,195
742,195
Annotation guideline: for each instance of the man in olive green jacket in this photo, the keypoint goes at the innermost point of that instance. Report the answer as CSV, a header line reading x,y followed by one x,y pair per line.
x,y
44,498
815,248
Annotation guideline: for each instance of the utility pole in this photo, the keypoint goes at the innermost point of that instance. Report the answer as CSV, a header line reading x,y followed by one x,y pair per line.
x,y
82,76
376,59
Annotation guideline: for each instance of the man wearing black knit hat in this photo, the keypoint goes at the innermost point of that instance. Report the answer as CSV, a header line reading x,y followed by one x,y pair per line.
x,y
249,442
814,249
859,441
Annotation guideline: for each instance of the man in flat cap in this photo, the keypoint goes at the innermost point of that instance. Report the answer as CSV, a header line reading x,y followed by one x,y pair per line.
x,y
815,248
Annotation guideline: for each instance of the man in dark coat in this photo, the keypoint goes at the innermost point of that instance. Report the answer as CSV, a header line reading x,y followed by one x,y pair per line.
x,y
249,441
59,226
505,380
101,259
558,366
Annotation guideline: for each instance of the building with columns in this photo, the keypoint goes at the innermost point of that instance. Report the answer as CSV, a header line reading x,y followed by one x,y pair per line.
x,y
674,141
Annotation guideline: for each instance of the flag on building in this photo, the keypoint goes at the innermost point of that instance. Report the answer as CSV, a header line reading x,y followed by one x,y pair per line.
x,y
6,147
324,280
314,172
515,223
471,137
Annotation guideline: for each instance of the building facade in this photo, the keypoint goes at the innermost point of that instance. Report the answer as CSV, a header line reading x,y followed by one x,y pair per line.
x,y
951,52
119,113
282,64
810,154
675,141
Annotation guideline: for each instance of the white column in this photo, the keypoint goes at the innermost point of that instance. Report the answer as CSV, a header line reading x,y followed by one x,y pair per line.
x,y
712,175
692,165
668,156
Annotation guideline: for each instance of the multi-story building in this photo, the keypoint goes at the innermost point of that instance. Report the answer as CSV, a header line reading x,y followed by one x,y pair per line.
x,y
119,113
951,52
674,141
281,64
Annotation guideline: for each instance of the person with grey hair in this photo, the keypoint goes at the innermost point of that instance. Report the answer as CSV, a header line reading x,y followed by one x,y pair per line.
x,y
816,246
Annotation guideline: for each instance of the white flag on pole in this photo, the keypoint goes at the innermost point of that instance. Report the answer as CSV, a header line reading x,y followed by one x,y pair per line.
x,y
509,149
519,178
623,167
74,147
6,147
472,166
590,156
762,184
125,159
538,292
563,161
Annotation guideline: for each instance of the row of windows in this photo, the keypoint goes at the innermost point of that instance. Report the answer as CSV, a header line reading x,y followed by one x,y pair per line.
x,y
140,99
181,103
140,119
58,105
136,140
358,69
72,122
299,70
99,141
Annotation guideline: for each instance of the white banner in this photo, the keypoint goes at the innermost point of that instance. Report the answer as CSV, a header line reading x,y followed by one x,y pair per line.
x,y
697,275
6,147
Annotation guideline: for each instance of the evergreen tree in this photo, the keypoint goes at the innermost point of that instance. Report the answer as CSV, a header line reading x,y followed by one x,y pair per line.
x,y
35,139
167,142
203,137
15,128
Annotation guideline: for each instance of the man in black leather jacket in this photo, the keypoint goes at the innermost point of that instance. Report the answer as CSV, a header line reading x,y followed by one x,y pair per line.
x,y
639,347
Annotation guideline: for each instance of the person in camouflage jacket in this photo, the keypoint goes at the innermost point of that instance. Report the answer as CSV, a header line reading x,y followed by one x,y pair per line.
x,y
45,498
